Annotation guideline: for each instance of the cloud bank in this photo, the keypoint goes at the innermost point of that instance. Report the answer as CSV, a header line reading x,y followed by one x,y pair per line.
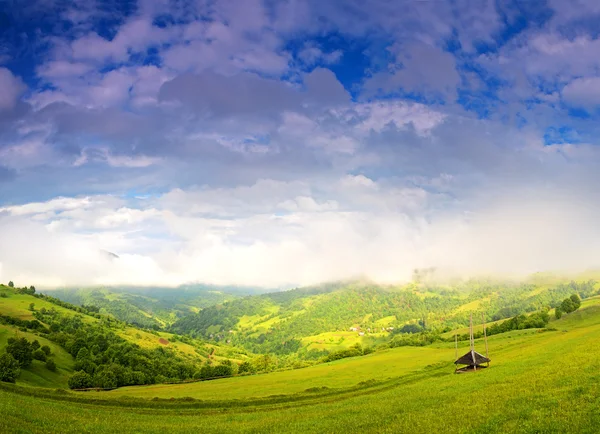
x,y
250,143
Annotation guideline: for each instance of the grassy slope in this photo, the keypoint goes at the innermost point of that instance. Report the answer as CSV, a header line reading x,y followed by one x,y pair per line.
x,y
17,305
538,382
37,374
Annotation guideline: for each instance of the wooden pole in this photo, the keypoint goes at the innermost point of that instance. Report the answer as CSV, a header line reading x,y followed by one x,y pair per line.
x,y
455,346
485,338
455,351
472,342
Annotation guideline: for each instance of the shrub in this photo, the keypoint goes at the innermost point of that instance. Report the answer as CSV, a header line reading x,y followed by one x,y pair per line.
x,y
50,365
46,349
80,380
39,355
3,295
246,368
558,313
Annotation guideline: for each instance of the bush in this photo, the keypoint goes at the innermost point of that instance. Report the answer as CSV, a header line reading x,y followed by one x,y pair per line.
x,y
9,368
222,370
46,349
39,355
246,368
50,365
3,295
558,313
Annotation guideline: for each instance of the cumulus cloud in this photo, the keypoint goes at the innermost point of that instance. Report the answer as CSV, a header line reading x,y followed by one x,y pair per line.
x,y
276,233
419,68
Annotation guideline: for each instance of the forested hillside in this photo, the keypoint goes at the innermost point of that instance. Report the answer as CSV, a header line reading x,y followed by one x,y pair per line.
x,y
284,322
49,342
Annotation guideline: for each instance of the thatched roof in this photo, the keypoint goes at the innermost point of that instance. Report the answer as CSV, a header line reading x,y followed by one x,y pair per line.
x,y
472,358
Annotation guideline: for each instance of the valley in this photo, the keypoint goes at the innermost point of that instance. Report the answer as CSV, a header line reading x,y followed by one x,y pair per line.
x,y
404,381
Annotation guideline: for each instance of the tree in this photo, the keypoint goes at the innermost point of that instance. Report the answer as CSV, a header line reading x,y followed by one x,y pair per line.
x,y
105,379
205,372
80,380
576,301
3,295
50,365
21,350
82,354
11,284
46,349
223,370
32,289
35,345
567,305
9,368
246,367
558,313
32,306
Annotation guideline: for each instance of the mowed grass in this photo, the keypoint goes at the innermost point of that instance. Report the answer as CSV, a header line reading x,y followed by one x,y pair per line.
x,y
338,374
538,382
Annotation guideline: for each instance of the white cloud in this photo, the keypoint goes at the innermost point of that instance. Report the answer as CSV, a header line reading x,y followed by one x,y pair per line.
x,y
376,116
419,68
583,92
11,88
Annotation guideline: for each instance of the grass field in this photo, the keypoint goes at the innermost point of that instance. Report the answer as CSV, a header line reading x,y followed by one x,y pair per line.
x,y
538,382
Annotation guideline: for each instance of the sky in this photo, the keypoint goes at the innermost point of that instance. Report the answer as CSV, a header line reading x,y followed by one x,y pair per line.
x,y
290,142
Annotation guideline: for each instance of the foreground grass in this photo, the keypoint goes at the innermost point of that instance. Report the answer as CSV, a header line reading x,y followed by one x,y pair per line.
x,y
538,382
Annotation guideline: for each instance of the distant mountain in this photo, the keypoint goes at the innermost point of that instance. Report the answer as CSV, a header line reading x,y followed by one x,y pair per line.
x,y
110,255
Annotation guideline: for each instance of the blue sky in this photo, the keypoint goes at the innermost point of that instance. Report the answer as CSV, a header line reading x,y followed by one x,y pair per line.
x,y
283,142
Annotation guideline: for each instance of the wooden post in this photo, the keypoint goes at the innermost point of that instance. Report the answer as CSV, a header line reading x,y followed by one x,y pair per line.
x,y
455,346
455,351
472,342
485,338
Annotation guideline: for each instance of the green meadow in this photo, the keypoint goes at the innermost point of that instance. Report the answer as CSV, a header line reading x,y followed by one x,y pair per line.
x,y
538,381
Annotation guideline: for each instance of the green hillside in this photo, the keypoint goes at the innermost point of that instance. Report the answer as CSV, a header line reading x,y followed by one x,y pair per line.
x,y
42,320
152,307
310,322
538,381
